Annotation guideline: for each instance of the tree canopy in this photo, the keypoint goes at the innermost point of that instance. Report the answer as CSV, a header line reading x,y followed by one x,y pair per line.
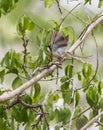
x,y
42,92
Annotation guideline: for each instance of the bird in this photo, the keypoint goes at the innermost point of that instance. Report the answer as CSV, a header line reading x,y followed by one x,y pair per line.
x,y
58,43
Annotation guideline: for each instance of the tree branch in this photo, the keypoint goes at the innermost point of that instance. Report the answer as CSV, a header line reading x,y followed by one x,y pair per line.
x,y
85,33
22,88
91,121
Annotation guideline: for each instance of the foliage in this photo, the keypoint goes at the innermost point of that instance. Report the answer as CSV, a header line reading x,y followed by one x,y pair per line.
x,y
37,109
6,6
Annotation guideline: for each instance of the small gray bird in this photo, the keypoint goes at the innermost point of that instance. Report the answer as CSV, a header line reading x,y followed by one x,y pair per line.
x,y
58,43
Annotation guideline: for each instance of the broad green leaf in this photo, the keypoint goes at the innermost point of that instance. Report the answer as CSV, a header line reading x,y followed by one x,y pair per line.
x,y
77,98
24,24
12,61
66,92
40,58
91,115
16,83
92,96
27,23
87,70
6,6
65,86
100,87
2,74
79,76
63,79
37,89
67,96
63,115
48,3
68,71
56,97
77,111
51,115
81,121
22,112
101,118
39,37
27,99
6,60
24,115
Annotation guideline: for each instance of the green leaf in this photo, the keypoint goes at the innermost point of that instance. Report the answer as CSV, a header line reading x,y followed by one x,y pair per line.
x,y
12,61
79,76
64,79
7,5
66,70
27,98
39,37
100,87
101,118
87,1
65,86
100,3
2,74
37,89
91,115
63,115
92,96
48,3
77,98
100,104
16,83
66,92
56,97
69,71
27,23
81,121
87,70
20,114
51,115
24,24
77,111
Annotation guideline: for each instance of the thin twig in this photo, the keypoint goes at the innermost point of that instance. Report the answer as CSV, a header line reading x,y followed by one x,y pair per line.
x,y
59,8
68,14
